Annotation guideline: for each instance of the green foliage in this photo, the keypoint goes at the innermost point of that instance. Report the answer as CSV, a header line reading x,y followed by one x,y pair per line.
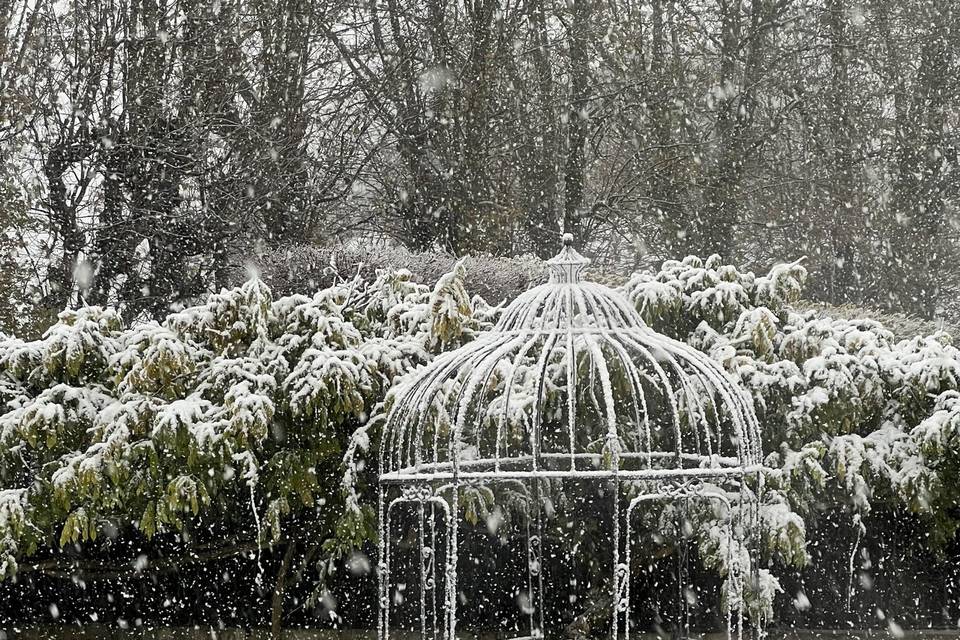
x,y
243,402
684,294
450,305
851,415
246,402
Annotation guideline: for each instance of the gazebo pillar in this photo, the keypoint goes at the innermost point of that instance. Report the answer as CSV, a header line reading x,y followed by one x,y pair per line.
x,y
535,562
452,557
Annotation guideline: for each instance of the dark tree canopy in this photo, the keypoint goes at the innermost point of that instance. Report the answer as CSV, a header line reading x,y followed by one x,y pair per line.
x,y
152,145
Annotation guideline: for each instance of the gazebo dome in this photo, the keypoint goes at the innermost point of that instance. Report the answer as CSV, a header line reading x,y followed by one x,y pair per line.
x,y
570,383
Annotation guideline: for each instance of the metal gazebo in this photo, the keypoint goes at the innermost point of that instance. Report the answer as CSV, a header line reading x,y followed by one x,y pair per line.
x,y
570,384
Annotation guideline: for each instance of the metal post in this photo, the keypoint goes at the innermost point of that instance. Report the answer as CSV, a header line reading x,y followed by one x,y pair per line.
x,y
421,534
620,576
535,565
383,545
451,568
432,578
625,603
530,575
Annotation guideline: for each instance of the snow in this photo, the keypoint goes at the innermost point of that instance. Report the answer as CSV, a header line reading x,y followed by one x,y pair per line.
x,y
849,413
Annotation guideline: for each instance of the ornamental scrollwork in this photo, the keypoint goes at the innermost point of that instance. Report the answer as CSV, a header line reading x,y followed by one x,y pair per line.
x,y
417,492
535,557
622,582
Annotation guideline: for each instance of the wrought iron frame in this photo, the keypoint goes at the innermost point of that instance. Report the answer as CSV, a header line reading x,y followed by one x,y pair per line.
x,y
433,486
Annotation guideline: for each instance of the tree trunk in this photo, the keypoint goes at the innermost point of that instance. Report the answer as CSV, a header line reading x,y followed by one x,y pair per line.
x,y
575,168
917,240
63,213
276,612
664,188
540,173
475,227
844,204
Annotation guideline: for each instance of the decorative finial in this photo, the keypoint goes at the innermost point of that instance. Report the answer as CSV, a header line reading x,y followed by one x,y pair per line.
x,y
566,266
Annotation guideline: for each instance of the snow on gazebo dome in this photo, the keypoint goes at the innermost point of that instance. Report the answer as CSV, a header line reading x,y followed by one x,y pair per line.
x,y
571,380
570,384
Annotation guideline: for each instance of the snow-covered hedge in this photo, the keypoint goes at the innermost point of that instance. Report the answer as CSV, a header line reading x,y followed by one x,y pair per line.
x,y
244,395
293,269
851,414
247,402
